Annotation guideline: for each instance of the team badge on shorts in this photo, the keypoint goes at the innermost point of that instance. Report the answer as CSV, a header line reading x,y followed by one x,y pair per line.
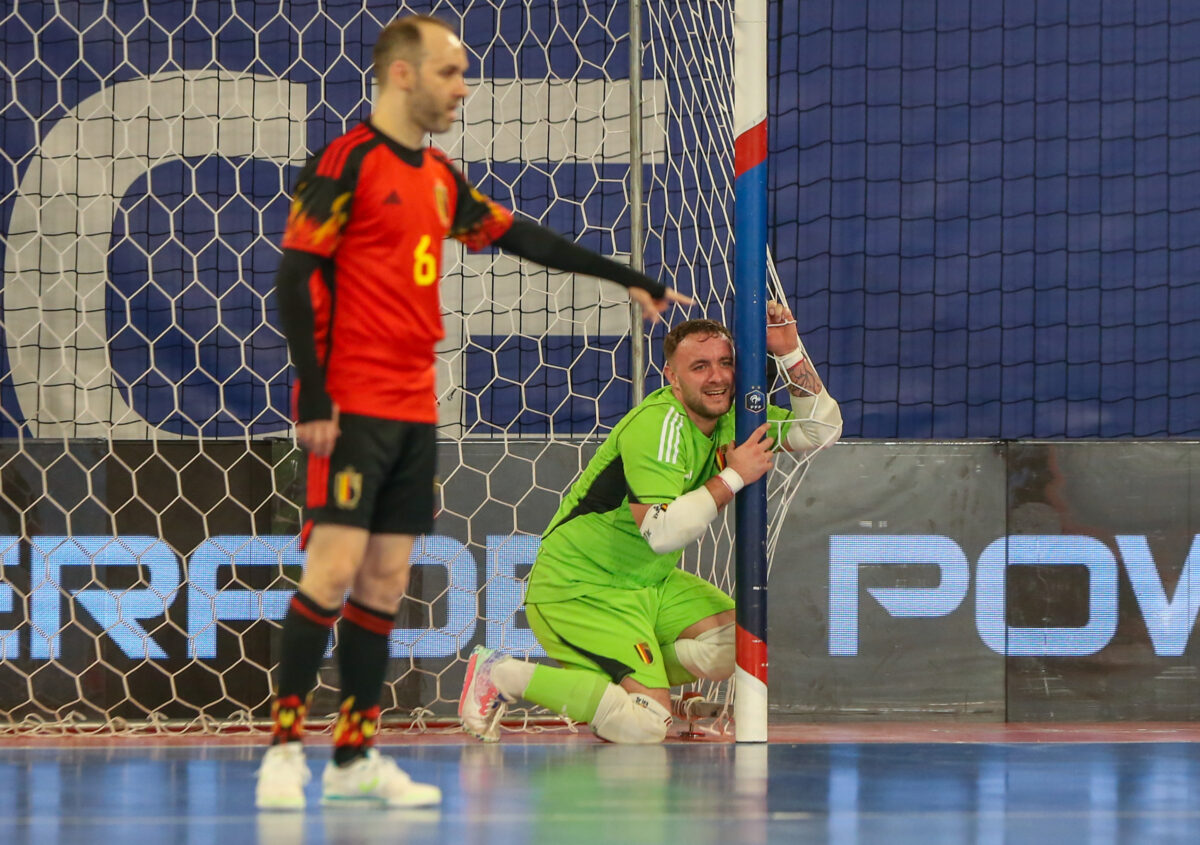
x,y
645,653
347,489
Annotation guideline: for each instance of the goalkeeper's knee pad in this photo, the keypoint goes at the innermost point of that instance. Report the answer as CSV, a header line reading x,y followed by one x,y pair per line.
x,y
630,718
711,655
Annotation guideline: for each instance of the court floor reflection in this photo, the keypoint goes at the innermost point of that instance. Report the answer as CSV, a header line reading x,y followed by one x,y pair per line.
x,y
580,791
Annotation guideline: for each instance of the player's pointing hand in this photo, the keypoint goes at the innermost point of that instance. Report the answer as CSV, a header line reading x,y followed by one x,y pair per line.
x,y
652,309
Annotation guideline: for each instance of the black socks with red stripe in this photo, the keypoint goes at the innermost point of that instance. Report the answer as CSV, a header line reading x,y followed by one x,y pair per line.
x,y
306,629
362,659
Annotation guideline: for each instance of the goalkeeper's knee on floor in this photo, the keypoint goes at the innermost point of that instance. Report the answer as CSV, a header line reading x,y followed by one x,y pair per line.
x,y
630,718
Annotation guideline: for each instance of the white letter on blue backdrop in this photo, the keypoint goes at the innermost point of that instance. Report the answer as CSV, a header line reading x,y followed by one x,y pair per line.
x,y
848,552
1023,549
207,605
116,612
1170,623
462,606
59,232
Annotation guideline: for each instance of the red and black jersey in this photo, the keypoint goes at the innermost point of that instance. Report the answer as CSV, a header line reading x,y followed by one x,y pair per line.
x,y
379,213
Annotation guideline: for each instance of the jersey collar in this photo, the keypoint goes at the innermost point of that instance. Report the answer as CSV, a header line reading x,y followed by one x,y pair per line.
x,y
724,431
411,157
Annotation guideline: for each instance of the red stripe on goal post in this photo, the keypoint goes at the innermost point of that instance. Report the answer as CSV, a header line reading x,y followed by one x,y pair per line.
x,y
750,149
751,655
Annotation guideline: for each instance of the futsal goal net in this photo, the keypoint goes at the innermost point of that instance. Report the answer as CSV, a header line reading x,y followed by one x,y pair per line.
x,y
150,487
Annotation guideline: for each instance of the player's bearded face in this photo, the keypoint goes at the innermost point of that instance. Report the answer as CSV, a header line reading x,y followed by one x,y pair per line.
x,y
701,373
440,84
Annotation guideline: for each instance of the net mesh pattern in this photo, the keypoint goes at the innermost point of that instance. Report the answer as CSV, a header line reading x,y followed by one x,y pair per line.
x,y
986,212
150,488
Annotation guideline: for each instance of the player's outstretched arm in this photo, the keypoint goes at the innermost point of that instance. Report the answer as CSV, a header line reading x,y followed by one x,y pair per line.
x,y
670,527
539,244
818,417
316,416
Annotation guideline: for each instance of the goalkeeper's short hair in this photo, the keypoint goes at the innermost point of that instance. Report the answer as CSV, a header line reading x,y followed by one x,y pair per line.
x,y
709,328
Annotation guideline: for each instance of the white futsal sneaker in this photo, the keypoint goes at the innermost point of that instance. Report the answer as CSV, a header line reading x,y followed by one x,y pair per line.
x,y
375,780
282,778
481,704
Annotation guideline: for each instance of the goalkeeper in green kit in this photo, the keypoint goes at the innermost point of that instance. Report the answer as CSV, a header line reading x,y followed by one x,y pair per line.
x,y
606,598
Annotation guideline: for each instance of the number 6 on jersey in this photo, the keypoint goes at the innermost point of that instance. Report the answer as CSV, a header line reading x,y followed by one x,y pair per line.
x,y
424,263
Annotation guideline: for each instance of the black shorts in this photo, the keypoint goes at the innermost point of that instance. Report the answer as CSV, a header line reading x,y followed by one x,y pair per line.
x,y
379,477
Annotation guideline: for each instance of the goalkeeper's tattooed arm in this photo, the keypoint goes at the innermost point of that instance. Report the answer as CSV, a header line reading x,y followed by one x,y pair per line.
x,y
818,417
539,244
803,380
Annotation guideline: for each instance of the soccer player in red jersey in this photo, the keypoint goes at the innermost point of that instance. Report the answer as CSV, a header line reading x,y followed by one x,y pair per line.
x,y
358,299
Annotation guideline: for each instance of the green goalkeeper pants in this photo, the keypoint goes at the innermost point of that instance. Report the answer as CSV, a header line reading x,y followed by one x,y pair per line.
x,y
627,633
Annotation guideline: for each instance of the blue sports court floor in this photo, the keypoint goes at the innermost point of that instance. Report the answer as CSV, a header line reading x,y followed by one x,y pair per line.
x,y
861,785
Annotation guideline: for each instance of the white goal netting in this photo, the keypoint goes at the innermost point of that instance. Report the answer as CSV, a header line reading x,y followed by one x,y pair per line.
x,y
149,488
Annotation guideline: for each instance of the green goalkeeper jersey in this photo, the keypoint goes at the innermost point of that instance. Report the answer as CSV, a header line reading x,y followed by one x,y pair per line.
x,y
653,456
